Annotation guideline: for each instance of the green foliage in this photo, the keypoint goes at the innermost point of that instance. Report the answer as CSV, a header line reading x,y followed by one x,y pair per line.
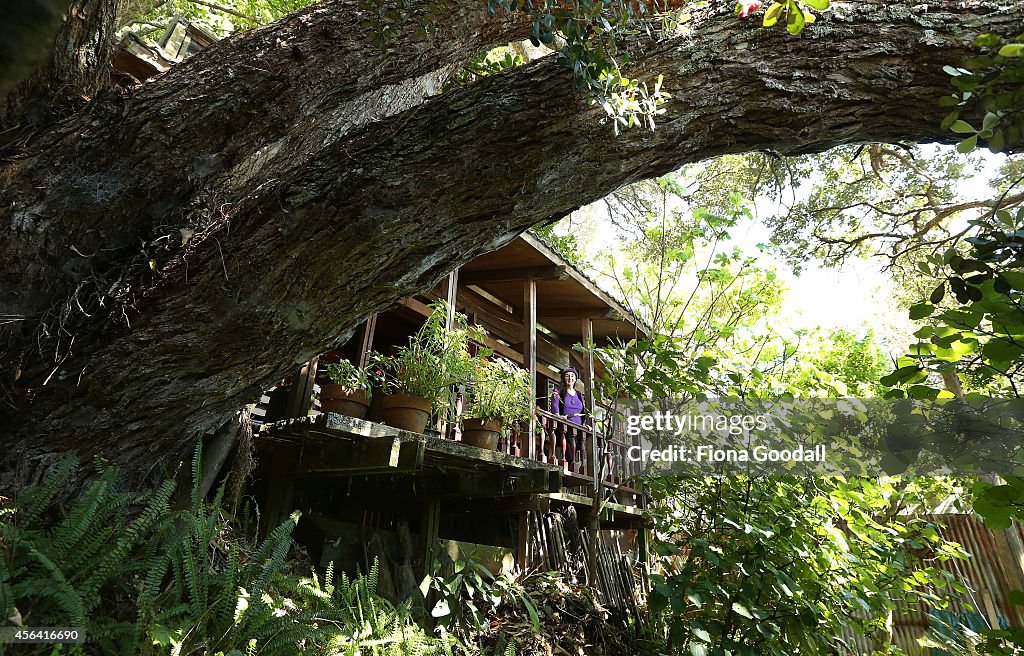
x,y
493,61
434,359
836,363
988,83
797,14
348,375
466,596
977,328
499,389
223,17
999,504
871,201
782,566
182,582
565,245
961,640
60,572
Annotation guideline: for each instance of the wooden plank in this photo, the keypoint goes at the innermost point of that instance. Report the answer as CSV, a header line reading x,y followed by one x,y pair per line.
x,y
513,274
575,313
300,398
484,455
353,426
278,504
411,454
523,541
363,456
367,342
452,284
506,505
431,519
581,500
530,357
486,484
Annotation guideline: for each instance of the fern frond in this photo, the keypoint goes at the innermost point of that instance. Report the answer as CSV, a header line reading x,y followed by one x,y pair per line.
x,y
197,477
34,503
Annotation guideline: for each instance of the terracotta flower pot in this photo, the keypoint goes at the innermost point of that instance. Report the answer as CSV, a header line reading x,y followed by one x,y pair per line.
x,y
346,401
409,413
482,433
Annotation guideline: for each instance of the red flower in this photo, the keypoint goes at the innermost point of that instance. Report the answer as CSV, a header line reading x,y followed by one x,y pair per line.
x,y
744,9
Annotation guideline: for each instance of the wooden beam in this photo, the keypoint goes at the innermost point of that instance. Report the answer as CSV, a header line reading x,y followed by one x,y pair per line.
x,y
431,520
530,481
501,323
447,423
554,257
550,313
523,541
552,272
367,343
506,505
581,500
377,455
451,292
300,398
415,306
530,356
278,504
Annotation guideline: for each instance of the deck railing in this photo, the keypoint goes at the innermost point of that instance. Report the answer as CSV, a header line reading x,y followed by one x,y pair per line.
x,y
570,445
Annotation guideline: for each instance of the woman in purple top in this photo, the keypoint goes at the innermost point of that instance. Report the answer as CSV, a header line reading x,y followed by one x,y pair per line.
x,y
566,400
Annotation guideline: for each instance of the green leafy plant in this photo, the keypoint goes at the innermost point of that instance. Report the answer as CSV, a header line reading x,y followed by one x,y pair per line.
x,y
434,360
183,582
988,83
977,328
499,389
74,569
797,13
465,596
348,375
784,566
957,639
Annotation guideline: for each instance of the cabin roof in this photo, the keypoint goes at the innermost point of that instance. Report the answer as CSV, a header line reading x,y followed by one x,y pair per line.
x,y
565,295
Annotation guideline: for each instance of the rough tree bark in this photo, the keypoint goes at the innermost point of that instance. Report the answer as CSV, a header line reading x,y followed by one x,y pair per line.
x,y
171,252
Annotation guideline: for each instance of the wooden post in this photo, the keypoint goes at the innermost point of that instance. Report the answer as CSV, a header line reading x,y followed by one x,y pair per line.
x,y
449,426
300,399
588,381
643,546
530,357
523,541
451,296
279,501
367,345
431,520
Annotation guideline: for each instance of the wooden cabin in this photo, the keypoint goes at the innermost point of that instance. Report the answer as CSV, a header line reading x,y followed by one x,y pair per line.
x,y
371,491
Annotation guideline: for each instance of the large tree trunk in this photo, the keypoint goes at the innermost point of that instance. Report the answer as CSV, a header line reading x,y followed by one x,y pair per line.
x,y
78,65
171,253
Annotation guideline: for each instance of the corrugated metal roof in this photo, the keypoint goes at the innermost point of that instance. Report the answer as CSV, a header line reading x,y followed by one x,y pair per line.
x,y
989,574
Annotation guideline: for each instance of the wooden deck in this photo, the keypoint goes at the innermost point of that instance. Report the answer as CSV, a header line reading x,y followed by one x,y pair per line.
x,y
335,445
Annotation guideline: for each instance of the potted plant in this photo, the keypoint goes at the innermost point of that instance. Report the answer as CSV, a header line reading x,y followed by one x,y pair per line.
x,y
419,377
499,396
348,393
